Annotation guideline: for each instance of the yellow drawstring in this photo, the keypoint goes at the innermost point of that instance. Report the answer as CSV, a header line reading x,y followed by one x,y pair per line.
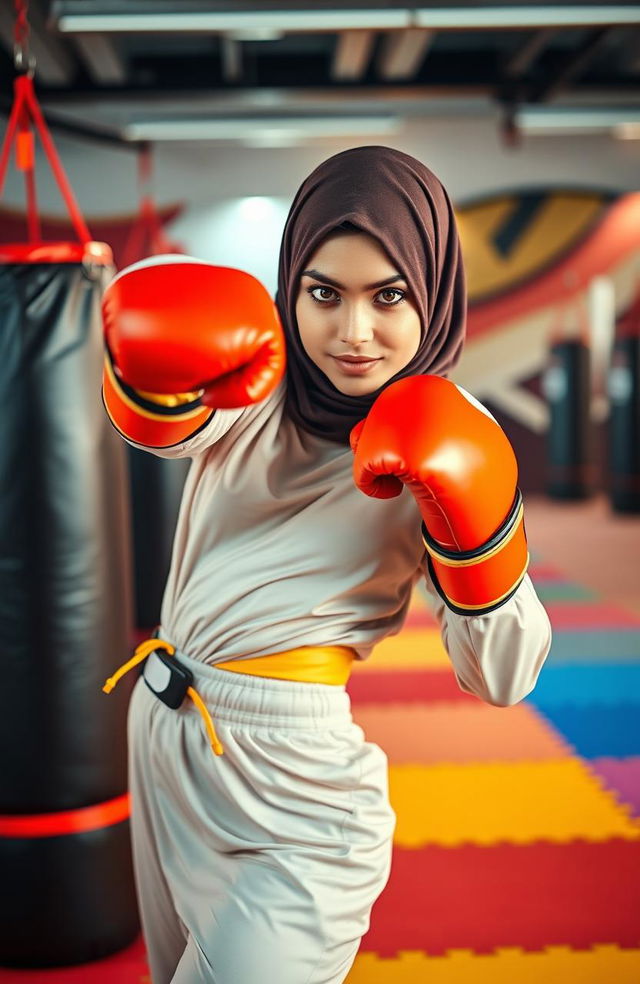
x,y
211,731
141,653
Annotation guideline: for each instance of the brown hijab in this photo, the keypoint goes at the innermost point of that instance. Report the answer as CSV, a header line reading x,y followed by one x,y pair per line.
x,y
399,201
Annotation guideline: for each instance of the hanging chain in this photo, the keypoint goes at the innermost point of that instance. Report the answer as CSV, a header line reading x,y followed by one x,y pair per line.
x,y
23,60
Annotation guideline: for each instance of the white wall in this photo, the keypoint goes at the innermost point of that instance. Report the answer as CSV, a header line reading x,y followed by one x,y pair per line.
x,y
466,153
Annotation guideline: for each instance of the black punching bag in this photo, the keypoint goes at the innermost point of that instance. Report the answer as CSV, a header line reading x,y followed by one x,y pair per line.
x,y
156,491
624,417
566,386
65,618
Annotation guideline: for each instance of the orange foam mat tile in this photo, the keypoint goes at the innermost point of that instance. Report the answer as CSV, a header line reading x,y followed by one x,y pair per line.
x,y
411,648
509,965
516,802
480,898
457,732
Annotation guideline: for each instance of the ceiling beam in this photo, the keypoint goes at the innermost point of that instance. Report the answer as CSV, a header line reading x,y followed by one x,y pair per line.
x,y
92,130
420,99
102,61
523,57
630,61
352,55
231,52
572,67
403,52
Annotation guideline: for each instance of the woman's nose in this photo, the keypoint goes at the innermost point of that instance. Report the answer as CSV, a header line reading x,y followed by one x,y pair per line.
x,y
356,326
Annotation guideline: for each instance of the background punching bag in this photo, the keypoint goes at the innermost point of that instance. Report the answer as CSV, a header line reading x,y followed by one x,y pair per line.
x,y
624,418
65,618
566,386
156,491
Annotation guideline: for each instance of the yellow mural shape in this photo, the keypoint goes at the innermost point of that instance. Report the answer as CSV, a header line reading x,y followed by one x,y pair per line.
x,y
560,221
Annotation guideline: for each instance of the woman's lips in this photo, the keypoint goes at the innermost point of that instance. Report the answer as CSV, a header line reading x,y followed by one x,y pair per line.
x,y
355,367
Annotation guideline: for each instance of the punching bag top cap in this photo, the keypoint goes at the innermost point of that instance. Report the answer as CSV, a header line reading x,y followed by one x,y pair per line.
x,y
95,253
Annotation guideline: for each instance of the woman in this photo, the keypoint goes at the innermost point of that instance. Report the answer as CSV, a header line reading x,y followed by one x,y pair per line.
x,y
262,863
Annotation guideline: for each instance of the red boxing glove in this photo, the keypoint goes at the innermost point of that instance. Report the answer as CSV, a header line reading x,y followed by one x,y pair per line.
x,y
177,325
423,432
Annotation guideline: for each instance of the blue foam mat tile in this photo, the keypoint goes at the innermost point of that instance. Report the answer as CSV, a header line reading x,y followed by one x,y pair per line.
x,y
596,730
587,683
595,646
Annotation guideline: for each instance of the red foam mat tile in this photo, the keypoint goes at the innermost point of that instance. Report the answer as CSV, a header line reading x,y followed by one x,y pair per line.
x,y
593,615
539,571
424,686
507,895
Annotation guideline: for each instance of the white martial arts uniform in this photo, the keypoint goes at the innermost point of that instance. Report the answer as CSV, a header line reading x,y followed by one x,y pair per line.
x,y
261,866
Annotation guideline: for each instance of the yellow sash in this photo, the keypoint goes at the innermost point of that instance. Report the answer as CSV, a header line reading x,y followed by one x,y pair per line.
x,y
312,664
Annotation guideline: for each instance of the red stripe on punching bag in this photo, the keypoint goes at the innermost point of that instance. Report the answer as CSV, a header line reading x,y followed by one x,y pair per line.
x,y
67,821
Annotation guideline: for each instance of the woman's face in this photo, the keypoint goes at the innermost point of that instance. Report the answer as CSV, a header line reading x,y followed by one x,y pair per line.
x,y
357,320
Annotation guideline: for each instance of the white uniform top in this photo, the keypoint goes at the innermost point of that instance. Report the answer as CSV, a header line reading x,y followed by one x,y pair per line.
x,y
276,548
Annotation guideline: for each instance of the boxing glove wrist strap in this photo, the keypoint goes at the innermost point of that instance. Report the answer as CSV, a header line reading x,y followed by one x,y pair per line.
x,y
171,402
475,582
155,425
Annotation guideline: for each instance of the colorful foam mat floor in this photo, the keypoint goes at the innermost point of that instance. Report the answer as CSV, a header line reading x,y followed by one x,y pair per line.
x,y
517,846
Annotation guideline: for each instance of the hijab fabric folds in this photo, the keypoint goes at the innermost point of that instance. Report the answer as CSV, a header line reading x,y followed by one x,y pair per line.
x,y
398,200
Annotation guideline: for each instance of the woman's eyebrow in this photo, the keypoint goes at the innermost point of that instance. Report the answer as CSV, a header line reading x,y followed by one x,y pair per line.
x,y
334,283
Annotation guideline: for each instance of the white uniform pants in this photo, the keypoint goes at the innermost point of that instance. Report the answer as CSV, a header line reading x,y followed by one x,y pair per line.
x,y
259,866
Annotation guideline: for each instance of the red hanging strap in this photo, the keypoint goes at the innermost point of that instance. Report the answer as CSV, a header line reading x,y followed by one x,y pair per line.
x,y
21,38
146,236
25,113
25,162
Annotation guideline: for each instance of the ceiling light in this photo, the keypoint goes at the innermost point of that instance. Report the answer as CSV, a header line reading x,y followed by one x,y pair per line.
x,y
533,15
476,17
627,131
255,128
255,34
573,120
213,22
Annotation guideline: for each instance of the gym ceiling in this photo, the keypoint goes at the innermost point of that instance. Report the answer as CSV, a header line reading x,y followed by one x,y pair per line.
x,y
128,71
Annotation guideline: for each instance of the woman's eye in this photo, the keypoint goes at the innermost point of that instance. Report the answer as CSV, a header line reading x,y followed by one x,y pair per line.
x,y
328,290
398,295
392,295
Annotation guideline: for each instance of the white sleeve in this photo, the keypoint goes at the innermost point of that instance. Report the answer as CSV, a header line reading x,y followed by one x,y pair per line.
x,y
497,656
215,427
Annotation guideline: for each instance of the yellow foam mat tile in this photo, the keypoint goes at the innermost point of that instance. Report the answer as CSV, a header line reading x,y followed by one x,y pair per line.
x,y
604,964
518,802
411,649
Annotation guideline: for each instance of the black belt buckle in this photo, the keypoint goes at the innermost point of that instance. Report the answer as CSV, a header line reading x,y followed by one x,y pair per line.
x,y
167,678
